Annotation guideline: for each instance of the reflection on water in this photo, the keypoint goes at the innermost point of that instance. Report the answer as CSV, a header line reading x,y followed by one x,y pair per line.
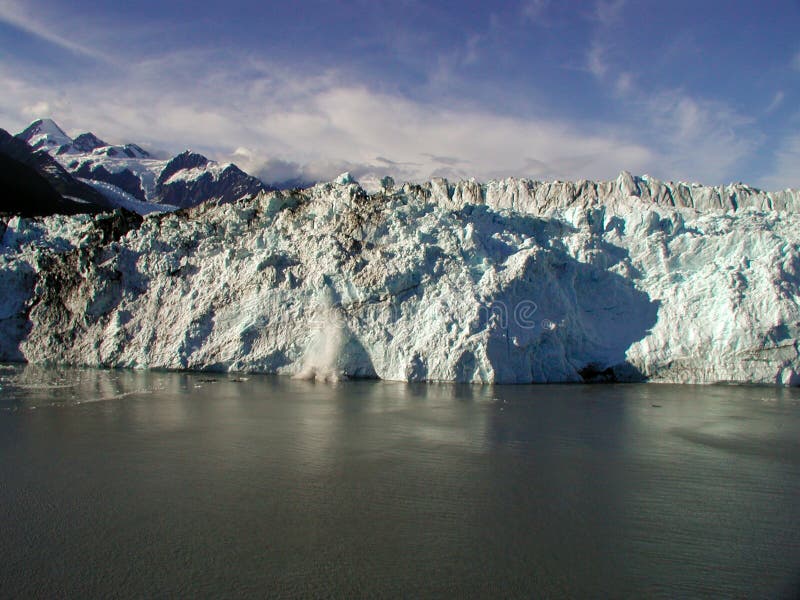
x,y
134,483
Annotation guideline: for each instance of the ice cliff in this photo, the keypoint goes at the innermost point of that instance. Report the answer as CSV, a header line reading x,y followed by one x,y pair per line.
x,y
512,281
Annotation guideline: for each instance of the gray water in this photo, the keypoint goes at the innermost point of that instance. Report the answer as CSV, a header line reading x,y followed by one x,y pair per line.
x,y
124,484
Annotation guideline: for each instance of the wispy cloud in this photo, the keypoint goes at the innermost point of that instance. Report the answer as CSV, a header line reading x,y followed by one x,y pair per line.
x,y
535,11
700,139
693,138
274,121
624,84
22,17
608,12
596,60
777,101
605,15
284,123
473,50
786,170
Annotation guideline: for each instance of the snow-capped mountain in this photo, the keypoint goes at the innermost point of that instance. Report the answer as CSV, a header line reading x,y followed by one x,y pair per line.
x,y
188,176
34,183
44,134
85,142
506,282
129,177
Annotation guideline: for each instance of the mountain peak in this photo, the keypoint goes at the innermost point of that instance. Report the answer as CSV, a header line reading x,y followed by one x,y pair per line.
x,y
44,133
86,142
126,151
185,160
43,127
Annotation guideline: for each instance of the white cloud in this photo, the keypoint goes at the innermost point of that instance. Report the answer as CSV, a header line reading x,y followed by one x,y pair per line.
x,y
322,123
690,137
624,84
693,138
32,111
22,17
596,60
358,125
277,123
701,140
786,170
608,12
777,100
535,10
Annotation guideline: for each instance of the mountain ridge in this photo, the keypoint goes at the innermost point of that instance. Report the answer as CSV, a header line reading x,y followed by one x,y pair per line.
x,y
57,192
128,176
116,159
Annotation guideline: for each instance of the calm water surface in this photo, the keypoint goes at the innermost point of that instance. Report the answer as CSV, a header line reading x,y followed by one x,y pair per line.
x,y
121,484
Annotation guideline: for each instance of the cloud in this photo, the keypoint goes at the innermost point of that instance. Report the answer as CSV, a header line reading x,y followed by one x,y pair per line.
x,y
271,120
282,173
796,61
608,12
535,11
694,138
777,100
445,160
690,137
283,125
596,60
704,140
624,84
786,170
21,17
33,111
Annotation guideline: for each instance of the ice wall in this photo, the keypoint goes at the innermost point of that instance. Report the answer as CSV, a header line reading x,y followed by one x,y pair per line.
x,y
511,282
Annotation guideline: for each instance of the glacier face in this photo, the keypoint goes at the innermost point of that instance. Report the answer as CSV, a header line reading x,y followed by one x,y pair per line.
x,y
508,282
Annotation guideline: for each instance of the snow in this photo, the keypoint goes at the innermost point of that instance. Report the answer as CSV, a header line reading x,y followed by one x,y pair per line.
x,y
120,151
508,282
45,133
124,200
345,178
145,169
213,168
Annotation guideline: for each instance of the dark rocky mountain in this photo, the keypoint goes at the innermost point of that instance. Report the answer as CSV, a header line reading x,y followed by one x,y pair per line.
x,y
227,185
85,142
127,175
31,185
44,134
124,179
125,151
56,175
185,160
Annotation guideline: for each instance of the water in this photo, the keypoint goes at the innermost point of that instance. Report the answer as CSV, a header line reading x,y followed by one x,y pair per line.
x,y
120,484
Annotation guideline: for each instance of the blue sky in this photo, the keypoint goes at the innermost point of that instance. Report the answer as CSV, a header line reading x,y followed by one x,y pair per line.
x,y
702,91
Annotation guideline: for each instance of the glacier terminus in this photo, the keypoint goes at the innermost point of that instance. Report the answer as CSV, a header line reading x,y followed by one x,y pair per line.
x,y
512,281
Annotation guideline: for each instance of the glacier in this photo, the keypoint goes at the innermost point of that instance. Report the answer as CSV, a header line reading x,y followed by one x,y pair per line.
x,y
511,281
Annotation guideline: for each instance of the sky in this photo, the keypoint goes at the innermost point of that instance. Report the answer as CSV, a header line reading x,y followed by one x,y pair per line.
x,y
699,90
